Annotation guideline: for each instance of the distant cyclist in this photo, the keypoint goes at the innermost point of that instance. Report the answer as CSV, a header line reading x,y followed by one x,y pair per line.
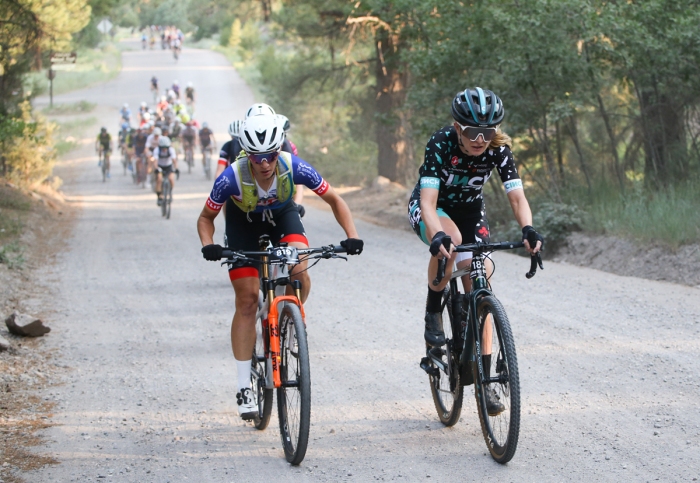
x,y
190,97
125,113
103,146
166,160
176,89
206,141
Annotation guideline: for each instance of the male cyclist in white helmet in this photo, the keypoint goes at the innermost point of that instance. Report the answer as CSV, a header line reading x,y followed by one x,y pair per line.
x,y
258,189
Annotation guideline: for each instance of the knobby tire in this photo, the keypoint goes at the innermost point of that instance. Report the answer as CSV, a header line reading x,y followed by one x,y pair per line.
x,y
294,396
446,386
501,431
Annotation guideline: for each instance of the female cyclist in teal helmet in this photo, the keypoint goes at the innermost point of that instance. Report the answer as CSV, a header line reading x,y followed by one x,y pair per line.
x,y
448,198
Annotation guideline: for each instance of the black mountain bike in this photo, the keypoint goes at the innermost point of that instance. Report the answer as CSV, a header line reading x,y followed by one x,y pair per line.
x,y
476,325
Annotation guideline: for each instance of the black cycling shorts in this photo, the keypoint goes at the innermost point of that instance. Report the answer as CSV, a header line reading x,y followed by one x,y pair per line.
x,y
242,234
166,169
473,226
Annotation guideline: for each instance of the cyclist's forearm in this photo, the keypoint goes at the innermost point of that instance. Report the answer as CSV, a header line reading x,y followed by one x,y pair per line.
x,y
520,207
205,227
341,212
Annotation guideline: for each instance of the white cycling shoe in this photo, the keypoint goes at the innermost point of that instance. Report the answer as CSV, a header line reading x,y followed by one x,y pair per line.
x,y
247,408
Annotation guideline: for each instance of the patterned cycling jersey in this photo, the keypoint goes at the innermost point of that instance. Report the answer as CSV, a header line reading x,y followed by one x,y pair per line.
x,y
227,185
460,178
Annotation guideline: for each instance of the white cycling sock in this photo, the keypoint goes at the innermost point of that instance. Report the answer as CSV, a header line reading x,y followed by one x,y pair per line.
x,y
243,368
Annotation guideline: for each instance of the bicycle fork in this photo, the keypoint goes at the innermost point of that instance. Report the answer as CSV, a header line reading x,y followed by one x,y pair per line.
x,y
273,357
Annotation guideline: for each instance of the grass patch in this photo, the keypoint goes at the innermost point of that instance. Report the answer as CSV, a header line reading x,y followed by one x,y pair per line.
x,y
93,66
72,108
670,216
70,133
12,255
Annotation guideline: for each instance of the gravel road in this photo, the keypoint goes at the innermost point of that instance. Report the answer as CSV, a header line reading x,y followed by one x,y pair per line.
x,y
609,368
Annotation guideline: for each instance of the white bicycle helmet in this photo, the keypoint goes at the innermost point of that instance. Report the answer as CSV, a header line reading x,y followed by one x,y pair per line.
x,y
146,116
261,134
285,122
164,142
234,129
259,109
158,131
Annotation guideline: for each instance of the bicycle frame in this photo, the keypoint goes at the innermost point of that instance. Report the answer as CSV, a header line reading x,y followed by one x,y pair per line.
x,y
272,337
465,319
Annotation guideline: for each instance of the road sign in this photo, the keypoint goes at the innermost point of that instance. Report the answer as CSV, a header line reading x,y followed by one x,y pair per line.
x,y
63,58
104,26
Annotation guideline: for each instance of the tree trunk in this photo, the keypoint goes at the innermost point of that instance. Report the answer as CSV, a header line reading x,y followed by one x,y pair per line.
x,y
664,146
395,146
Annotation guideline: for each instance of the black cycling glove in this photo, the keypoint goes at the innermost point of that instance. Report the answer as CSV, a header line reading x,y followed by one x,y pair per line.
x,y
301,210
353,246
532,237
440,239
212,252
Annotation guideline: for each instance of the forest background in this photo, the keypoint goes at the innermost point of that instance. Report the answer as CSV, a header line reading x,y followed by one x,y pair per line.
x,y
602,98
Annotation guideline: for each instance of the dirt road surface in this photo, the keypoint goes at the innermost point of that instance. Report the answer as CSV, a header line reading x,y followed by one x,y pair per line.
x,y
609,365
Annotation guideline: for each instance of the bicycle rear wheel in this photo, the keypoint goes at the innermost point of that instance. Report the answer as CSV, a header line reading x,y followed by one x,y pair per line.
x,y
294,396
501,430
207,164
263,397
165,204
445,384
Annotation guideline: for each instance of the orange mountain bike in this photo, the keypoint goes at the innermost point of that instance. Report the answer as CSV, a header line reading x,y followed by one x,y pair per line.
x,y
281,354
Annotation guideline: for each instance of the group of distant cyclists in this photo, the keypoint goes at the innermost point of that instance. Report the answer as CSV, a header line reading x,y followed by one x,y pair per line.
x,y
153,138
170,37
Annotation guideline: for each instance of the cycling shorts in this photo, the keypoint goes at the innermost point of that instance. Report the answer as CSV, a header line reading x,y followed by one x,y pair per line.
x,y
242,234
166,169
473,226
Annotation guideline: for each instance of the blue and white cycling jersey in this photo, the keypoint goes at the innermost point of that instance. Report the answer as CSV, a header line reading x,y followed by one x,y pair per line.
x,y
228,185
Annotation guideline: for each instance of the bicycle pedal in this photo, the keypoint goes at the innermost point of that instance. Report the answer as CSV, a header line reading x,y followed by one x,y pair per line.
x,y
429,369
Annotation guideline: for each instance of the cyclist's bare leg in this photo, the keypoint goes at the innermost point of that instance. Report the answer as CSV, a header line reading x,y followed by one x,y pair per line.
x,y
159,183
171,178
449,227
300,273
243,323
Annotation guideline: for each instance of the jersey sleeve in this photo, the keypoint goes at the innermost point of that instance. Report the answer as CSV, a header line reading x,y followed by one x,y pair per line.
x,y
225,154
224,187
305,174
507,170
429,172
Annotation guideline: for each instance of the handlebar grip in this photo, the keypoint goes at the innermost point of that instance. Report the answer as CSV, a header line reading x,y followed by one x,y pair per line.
x,y
339,249
440,272
535,260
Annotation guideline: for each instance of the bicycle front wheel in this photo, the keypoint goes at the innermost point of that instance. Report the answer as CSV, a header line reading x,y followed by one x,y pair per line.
x,y
294,396
165,204
500,427
445,384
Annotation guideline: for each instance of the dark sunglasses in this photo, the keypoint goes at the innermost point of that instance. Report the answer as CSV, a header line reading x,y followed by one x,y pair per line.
x,y
473,133
264,157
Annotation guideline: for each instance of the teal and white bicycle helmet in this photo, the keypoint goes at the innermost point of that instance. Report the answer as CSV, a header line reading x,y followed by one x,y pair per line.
x,y
478,107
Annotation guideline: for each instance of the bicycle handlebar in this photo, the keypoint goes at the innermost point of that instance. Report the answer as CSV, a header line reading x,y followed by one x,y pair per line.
x,y
329,251
480,248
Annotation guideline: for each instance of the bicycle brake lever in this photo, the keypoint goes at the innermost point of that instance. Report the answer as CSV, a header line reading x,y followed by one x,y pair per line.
x,y
535,260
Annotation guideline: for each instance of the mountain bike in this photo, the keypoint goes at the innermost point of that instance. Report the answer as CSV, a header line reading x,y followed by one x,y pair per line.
x,y
167,193
206,161
126,159
104,163
476,325
189,155
281,353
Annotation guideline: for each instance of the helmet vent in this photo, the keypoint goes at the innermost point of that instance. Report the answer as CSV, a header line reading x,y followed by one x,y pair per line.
x,y
261,136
